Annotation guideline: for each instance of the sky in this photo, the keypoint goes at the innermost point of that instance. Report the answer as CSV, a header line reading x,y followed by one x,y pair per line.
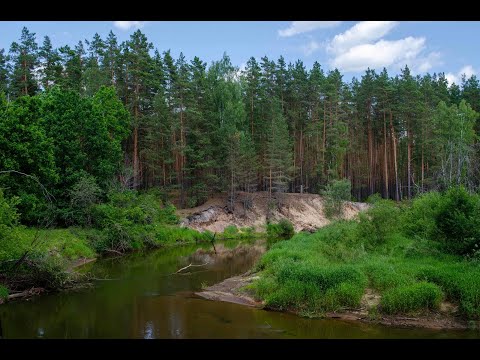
x,y
352,47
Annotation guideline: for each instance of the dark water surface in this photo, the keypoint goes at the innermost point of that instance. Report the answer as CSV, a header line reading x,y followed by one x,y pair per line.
x,y
143,299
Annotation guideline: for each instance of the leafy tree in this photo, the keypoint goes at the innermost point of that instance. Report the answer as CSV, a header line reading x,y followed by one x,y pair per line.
x,y
26,148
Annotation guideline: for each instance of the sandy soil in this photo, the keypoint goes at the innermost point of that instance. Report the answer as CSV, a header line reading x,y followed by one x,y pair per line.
x,y
305,211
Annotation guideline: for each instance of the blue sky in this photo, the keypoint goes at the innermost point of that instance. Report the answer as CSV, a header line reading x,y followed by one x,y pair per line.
x,y
434,46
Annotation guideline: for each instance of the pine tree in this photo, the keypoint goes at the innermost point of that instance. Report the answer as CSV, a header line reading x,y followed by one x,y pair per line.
x,y
278,157
51,72
94,73
24,56
3,72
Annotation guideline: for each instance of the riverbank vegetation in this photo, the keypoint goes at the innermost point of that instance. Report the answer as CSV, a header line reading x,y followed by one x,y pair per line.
x,y
95,139
414,255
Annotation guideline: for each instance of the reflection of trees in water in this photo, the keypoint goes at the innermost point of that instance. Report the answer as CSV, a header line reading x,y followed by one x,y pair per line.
x,y
234,261
145,301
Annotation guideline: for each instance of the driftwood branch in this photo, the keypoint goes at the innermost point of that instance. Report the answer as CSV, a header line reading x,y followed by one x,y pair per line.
x,y
30,292
188,266
190,273
97,279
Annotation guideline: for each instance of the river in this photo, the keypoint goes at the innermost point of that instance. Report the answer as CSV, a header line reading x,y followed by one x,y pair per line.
x,y
140,296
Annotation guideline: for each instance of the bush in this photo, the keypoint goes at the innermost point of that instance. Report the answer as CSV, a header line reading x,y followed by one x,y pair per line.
x,y
404,299
230,231
458,221
378,222
83,195
335,194
8,211
283,230
418,219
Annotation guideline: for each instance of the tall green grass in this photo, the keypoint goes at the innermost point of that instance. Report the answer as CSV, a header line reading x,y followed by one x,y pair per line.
x,y
396,250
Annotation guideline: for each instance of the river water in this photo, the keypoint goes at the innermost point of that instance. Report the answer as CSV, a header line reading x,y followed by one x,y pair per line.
x,y
140,296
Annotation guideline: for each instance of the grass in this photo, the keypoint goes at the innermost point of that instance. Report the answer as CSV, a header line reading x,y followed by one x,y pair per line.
x,y
412,297
330,270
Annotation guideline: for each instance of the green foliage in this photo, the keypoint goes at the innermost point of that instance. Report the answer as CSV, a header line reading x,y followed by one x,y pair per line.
x,y
26,148
230,231
458,221
335,193
460,282
419,219
330,269
3,292
372,199
409,298
283,230
378,222
383,276
8,212
83,195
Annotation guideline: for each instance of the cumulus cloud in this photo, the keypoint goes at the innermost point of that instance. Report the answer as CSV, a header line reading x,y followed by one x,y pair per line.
x,y
468,70
310,48
361,33
381,54
127,25
300,27
423,64
363,46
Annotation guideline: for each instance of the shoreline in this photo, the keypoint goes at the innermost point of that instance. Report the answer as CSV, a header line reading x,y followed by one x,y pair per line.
x,y
232,290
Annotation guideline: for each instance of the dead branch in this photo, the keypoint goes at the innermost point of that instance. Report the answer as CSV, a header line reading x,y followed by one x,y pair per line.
x,y
186,267
190,273
30,292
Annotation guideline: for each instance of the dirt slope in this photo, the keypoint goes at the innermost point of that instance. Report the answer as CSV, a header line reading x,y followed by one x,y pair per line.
x,y
305,211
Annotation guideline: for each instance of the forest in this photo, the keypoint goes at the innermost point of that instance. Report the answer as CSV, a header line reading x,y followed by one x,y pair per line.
x,y
104,144
105,114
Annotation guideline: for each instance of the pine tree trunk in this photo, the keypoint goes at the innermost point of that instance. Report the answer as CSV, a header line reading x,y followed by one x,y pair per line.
x,y
394,143
409,163
385,158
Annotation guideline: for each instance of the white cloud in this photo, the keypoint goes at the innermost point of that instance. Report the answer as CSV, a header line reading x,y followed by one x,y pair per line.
x,y
468,70
451,78
300,27
364,46
381,54
361,33
126,25
309,48
426,63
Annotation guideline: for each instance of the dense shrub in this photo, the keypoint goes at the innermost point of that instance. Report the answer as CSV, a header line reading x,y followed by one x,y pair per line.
x,y
458,221
8,211
283,230
378,222
83,195
418,220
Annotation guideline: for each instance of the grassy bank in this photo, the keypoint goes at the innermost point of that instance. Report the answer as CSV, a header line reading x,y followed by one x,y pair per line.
x,y
126,222
402,252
